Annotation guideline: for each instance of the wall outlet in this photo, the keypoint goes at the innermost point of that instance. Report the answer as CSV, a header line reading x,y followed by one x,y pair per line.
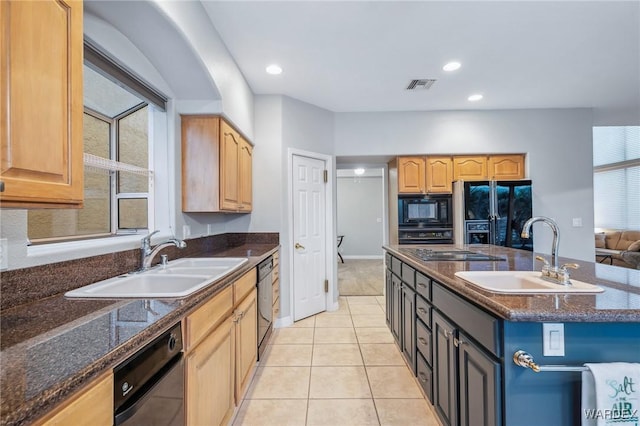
x,y
4,254
577,222
186,231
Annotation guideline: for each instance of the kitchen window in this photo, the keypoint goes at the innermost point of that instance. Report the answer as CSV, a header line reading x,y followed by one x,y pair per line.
x,y
118,176
616,177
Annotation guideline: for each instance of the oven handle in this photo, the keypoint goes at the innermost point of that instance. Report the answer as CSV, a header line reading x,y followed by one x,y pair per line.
x,y
132,406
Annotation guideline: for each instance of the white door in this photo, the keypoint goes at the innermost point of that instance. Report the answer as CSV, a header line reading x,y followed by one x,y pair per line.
x,y
309,236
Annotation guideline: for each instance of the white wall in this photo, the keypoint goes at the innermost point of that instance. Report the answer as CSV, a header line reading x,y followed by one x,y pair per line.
x,y
360,211
558,143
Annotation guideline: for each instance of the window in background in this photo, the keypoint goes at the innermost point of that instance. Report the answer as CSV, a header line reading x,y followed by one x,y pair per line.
x,y
118,177
616,177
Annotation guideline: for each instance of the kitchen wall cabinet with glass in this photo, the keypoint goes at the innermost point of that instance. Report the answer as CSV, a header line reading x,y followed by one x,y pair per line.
x,y
216,166
41,107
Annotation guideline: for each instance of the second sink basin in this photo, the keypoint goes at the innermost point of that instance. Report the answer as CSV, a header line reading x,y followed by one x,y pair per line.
x,y
522,282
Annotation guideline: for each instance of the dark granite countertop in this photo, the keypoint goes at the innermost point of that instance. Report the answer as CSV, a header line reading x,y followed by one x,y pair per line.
x,y
620,302
52,347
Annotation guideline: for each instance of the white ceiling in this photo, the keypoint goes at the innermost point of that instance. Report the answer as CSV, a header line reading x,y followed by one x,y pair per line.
x,y
360,55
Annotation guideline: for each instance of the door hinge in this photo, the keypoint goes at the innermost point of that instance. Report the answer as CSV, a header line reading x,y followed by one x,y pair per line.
x,y
326,286
326,176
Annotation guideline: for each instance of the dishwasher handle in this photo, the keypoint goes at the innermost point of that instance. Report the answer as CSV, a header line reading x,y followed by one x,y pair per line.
x,y
134,404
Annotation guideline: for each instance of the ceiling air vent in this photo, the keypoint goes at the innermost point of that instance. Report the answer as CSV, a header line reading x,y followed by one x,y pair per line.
x,y
424,83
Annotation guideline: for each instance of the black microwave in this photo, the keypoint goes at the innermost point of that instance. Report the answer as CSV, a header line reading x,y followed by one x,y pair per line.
x,y
430,210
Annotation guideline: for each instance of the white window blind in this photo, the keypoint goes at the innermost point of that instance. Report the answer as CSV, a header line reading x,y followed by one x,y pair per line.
x,y
616,179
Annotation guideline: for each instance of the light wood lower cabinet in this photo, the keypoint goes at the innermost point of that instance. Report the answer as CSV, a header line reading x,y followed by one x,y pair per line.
x,y
210,378
246,317
221,352
93,405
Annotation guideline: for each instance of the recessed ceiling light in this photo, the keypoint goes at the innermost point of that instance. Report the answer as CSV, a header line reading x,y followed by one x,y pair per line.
x,y
274,69
474,98
452,66
359,171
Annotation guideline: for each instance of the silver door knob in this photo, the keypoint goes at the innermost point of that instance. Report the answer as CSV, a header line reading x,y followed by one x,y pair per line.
x,y
299,246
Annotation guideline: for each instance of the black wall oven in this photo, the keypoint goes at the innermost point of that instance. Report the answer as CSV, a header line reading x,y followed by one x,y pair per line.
x,y
425,220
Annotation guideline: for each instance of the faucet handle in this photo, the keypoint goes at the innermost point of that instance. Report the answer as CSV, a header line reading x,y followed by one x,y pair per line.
x,y
546,267
563,273
146,240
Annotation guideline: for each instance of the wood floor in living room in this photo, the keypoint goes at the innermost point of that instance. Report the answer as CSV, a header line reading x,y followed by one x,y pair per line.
x,y
335,368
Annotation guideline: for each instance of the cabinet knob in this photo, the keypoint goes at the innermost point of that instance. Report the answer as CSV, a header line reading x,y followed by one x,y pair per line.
x,y
447,334
422,340
458,342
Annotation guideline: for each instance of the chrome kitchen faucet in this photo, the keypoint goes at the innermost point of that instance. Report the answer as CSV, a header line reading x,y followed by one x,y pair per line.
x,y
147,254
553,273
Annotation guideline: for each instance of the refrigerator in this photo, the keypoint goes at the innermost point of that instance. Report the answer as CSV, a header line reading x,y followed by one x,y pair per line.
x,y
492,212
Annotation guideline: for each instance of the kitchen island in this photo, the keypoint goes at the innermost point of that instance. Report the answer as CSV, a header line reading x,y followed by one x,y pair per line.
x,y
460,339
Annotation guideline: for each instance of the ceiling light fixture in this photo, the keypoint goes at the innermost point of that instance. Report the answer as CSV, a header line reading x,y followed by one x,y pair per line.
x,y
474,98
359,171
452,66
274,69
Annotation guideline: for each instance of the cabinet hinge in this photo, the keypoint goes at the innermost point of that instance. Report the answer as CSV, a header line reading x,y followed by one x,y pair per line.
x,y
326,286
326,176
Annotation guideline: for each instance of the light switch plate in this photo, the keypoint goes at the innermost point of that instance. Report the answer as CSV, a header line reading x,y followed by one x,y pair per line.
x,y
577,222
553,339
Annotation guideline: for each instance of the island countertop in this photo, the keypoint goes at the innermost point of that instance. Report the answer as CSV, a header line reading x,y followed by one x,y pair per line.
x,y
620,301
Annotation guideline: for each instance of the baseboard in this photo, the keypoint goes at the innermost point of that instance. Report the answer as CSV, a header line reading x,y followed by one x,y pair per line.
x,y
283,322
374,257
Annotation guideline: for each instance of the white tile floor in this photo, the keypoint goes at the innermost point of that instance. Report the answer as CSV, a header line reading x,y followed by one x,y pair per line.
x,y
337,368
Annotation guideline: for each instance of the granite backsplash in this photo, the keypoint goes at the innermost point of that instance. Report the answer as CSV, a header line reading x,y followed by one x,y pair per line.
x,y
22,286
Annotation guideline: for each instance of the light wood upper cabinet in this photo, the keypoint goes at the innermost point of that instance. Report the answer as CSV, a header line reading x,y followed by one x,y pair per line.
x,y
216,166
411,175
506,167
439,175
210,378
246,342
93,405
470,167
41,108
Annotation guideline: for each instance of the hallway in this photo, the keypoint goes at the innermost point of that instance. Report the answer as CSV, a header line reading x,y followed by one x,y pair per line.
x,y
335,368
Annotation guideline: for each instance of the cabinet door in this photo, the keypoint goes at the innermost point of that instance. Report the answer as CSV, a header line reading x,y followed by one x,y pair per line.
x,y
245,176
411,175
480,384
506,167
388,287
396,309
94,405
200,159
229,167
41,106
470,167
246,342
210,378
409,326
439,175
445,391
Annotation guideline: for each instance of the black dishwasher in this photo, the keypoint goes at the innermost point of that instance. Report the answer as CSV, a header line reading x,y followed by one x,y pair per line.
x,y
148,387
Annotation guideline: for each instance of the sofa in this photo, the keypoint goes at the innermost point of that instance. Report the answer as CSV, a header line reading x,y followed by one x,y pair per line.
x,y
620,248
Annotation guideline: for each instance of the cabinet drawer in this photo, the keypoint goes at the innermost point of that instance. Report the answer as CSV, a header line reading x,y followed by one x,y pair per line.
x,y
208,316
396,266
474,321
276,290
387,260
423,341
244,285
423,311
409,275
425,377
423,286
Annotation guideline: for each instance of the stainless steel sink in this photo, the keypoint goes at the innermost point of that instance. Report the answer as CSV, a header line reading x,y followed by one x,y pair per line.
x,y
522,282
177,279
